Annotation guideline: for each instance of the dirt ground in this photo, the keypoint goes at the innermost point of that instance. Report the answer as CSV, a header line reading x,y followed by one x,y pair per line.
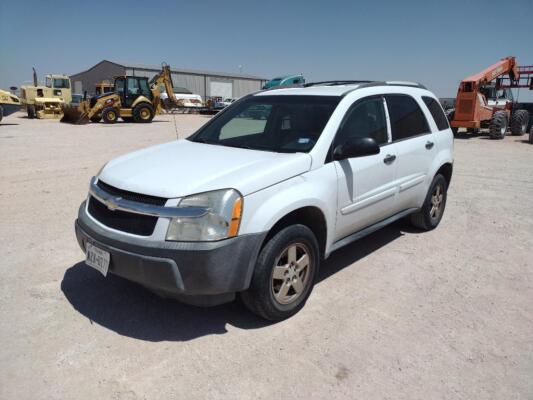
x,y
398,315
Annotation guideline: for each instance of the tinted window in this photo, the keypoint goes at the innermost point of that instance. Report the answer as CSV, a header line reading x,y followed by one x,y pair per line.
x,y
406,117
285,124
436,112
61,83
133,86
145,89
119,85
365,119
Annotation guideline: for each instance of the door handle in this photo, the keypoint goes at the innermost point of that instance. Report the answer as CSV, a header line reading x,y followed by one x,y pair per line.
x,y
429,145
389,158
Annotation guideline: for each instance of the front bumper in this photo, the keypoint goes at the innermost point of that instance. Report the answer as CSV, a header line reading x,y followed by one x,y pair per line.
x,y
202,273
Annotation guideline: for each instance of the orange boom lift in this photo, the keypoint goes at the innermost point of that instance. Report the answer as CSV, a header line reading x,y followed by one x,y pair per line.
x,y
484,102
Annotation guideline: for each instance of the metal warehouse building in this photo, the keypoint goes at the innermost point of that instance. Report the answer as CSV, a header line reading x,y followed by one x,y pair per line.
x,y
205,83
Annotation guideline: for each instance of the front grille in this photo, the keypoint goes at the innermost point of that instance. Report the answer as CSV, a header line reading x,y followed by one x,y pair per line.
x,y
136,224
140,198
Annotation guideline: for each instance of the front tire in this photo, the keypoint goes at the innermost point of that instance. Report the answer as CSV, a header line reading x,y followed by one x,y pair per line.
x,y
109,115
430,214
498,125
31,111
1,113
284,275
143,113
519,122
96,118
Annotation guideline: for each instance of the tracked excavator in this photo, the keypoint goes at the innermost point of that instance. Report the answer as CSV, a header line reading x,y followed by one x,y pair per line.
x,y
135,99
484,102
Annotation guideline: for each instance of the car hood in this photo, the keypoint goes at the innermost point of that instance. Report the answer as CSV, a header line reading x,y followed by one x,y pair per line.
x,y
181,168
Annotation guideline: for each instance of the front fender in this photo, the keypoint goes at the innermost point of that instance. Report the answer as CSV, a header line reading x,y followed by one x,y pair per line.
x,y
140,99
317,188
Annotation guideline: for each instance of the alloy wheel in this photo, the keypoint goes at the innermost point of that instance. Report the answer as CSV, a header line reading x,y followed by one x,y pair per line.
x,y
292,273
437,202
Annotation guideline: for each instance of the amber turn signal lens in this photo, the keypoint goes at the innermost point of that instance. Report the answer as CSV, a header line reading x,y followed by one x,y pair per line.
x,y
235,218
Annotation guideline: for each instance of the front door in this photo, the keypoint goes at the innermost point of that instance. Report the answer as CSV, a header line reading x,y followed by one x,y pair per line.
x,y
132,91
366,188
120,88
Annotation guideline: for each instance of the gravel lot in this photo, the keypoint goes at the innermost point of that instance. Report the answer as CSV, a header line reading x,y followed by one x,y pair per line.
x,y
398,315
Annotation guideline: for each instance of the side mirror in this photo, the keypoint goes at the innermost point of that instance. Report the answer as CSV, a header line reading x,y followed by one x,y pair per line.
x,y
13,88
356,147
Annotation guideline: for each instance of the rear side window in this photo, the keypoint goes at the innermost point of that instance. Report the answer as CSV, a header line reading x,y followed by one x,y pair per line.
x,y
436,112
406,117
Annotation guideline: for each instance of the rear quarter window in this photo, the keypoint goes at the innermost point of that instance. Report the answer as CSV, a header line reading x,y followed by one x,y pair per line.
x,y
436,112
406,117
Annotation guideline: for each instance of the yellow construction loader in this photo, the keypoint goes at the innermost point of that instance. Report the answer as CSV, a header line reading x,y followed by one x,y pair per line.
x,y
135,99
46,101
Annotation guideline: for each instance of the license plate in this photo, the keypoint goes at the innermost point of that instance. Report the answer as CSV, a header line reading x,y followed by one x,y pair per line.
x,y
97,258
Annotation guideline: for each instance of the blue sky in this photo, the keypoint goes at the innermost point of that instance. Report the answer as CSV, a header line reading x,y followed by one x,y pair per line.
x,y
433,42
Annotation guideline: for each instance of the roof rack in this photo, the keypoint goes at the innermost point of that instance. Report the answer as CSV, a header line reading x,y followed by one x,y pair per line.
x,y
393,83
336,83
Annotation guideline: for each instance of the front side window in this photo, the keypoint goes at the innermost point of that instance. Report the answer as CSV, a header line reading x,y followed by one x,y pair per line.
x,y
133,86
406,117
366,119
119,85
48,82
144,88
60,83
436,112
286,124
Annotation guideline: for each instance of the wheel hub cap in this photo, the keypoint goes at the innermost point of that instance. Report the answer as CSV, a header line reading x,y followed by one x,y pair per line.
x,y
437,200
291,273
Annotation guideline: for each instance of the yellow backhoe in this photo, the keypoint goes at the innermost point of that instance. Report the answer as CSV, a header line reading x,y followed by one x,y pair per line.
x,y
135,99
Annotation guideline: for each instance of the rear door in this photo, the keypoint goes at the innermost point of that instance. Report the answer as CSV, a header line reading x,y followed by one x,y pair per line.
x,y
415,146
366,188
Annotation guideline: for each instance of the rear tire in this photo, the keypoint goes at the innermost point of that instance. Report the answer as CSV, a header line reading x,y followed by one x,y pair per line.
x,y
519,122
31,111
143,113
1,113
498,125
531,135
431,213
284,274
110,115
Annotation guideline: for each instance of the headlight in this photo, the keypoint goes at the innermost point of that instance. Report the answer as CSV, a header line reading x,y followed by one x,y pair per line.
x,y
222,220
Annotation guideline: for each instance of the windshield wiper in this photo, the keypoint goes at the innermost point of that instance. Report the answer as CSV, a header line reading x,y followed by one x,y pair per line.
x,y
206,141
245,146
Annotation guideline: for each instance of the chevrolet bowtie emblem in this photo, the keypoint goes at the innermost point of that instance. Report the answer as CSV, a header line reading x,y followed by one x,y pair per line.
x,y
111,204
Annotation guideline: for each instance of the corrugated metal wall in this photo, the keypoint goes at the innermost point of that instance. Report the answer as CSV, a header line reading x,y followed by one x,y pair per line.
x,y
242,87
197,83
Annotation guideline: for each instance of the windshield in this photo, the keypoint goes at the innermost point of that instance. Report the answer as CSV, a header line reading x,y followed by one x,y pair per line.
x,y
60,83
286,124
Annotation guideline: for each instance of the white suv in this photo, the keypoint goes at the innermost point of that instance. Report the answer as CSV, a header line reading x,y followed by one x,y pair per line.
x,y
257,197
